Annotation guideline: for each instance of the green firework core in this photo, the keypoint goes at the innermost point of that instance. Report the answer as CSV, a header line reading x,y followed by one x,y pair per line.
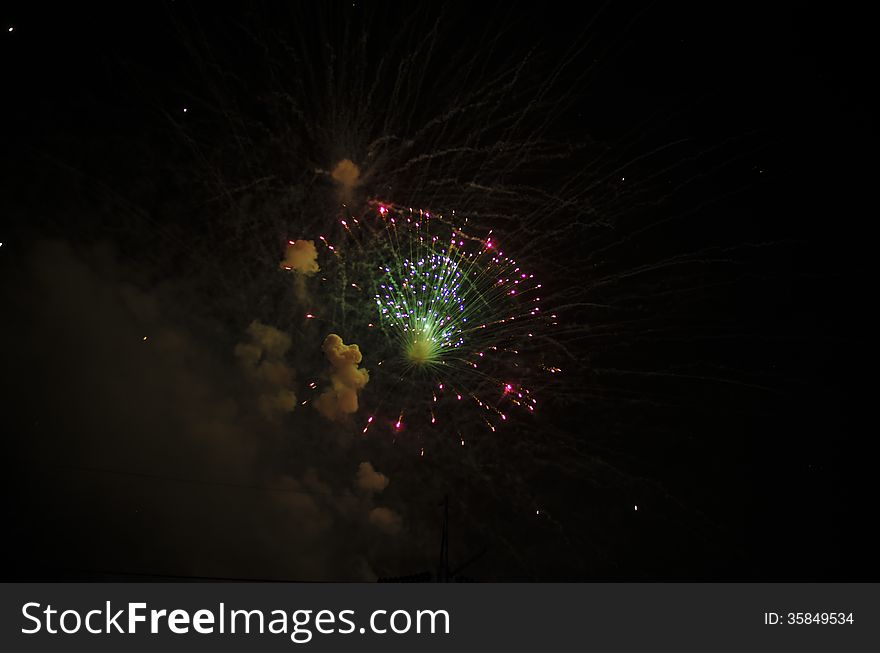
x,y
422,351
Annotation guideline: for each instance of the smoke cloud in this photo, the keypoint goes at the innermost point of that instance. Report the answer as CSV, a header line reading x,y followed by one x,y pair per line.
x,y
348,177
386,520
262,357
369,480
301,257
142,454
346,379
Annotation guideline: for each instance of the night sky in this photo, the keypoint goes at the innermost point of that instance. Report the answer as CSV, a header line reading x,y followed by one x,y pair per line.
x,y
689,183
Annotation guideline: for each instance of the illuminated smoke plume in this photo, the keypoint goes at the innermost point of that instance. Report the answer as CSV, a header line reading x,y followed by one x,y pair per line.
x,y
262,357
301,258
346,379
386,520
369,480
347,175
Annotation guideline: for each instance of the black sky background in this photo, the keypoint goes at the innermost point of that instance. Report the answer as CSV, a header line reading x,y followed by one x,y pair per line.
x,y
786,477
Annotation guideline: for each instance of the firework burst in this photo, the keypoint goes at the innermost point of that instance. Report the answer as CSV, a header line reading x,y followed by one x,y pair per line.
x,y
446,318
